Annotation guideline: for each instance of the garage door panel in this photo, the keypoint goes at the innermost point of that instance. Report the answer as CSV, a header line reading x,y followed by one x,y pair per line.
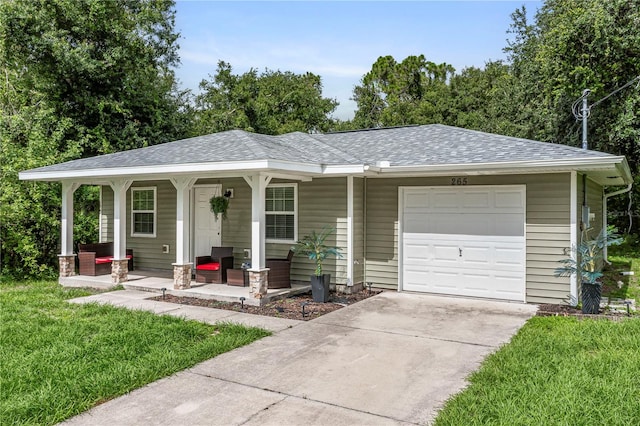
x,y
476,256
444,253
444,200
476,199
471,241
415,223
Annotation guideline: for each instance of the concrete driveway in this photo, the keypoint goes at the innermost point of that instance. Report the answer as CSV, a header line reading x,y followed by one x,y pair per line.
x,y
392,359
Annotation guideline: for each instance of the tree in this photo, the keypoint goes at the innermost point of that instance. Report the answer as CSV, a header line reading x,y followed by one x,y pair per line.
x,y
273,102
79,78
481,99
571,46
414,91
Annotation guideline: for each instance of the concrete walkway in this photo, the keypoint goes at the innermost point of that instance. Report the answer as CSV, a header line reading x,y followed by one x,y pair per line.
x,y
391,359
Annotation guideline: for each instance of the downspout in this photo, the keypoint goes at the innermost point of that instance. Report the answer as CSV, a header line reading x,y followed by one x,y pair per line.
x,y
604,215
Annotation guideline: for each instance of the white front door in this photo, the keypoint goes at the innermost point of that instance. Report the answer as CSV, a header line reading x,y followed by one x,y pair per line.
x,y
207,228
465,240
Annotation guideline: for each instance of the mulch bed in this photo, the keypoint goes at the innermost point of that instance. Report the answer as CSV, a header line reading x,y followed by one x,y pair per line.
x,y
290,307
548,310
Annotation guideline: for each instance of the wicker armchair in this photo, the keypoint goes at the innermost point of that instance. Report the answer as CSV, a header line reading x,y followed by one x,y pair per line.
x,y
280,271
213,269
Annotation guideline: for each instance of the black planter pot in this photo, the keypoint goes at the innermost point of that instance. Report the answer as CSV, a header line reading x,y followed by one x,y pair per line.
x,y
320,287
591,295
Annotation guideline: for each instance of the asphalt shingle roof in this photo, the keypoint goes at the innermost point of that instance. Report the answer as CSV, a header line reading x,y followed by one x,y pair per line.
x,y
433,144
438,144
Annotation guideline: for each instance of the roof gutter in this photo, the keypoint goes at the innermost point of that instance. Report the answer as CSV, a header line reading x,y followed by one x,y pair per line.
x,y
180,169
484,168
605,197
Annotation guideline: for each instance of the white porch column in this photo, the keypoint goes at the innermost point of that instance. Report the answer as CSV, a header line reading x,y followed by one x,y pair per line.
x,y
257,274
573,235
66,225
182,266
349,231
66,258
120,217
119,271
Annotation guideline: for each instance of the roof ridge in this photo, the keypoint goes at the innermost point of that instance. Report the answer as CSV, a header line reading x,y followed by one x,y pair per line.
x,y
333,149
253,144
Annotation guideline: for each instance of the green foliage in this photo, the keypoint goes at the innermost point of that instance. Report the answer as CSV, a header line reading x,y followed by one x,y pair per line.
x,y
315,248
273,102
555,371
587,257
413,91
219,205
574,45
60,359
623,257
79,78
104,65
570,46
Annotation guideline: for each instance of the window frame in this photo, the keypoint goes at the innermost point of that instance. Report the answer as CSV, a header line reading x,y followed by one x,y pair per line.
x,y
294,213
154,211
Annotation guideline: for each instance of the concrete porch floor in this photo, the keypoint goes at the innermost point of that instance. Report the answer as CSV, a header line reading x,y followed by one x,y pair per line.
x,y
154,282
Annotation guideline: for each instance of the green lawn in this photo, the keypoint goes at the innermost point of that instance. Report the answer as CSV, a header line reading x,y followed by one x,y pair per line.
x,y
562,371
59,359
625,257
556,371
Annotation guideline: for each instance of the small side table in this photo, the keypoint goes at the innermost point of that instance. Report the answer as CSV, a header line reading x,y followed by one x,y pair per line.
x,y
238,277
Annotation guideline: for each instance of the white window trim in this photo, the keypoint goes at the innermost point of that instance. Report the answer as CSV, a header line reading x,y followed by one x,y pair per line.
x,y
295,213
154,211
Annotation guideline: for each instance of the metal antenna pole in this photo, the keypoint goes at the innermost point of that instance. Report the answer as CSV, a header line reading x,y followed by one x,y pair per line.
x,y
585,114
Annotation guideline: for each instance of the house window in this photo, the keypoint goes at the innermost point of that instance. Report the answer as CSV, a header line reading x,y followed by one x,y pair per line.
x,y
281,212
143,212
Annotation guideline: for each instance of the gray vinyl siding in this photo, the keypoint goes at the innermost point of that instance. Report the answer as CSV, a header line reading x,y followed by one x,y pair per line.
x,y
594,201
148,250
547,229
321,202
106,214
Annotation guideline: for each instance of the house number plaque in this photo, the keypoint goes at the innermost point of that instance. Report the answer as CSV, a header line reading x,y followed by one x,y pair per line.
x,y
459,181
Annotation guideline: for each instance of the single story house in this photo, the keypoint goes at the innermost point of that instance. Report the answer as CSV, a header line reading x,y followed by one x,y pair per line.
x,y
429,208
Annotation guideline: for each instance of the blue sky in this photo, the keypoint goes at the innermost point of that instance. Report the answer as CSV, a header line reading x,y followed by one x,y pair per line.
x,y
337,40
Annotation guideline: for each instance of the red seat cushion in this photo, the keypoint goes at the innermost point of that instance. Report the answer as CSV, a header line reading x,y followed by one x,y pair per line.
x,y
129,256
101,260
214,266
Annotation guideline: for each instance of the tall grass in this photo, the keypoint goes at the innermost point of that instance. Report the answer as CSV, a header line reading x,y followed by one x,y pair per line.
x,y
59,359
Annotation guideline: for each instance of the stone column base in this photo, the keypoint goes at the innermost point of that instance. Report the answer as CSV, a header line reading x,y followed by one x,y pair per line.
x,y
181,276
258,283
67,264
119,271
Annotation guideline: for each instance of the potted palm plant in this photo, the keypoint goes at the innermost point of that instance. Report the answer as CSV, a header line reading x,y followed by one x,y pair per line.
x,y
587,262
315,248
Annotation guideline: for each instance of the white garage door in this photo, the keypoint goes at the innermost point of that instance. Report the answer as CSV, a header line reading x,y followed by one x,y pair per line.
x,y
466,240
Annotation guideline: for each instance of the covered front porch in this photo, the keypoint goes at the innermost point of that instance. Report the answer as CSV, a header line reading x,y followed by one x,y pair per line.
x,y
179,203
162,282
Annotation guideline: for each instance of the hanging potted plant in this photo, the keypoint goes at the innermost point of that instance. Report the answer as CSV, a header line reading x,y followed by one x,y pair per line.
x,y
220,204
313,246
587,262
